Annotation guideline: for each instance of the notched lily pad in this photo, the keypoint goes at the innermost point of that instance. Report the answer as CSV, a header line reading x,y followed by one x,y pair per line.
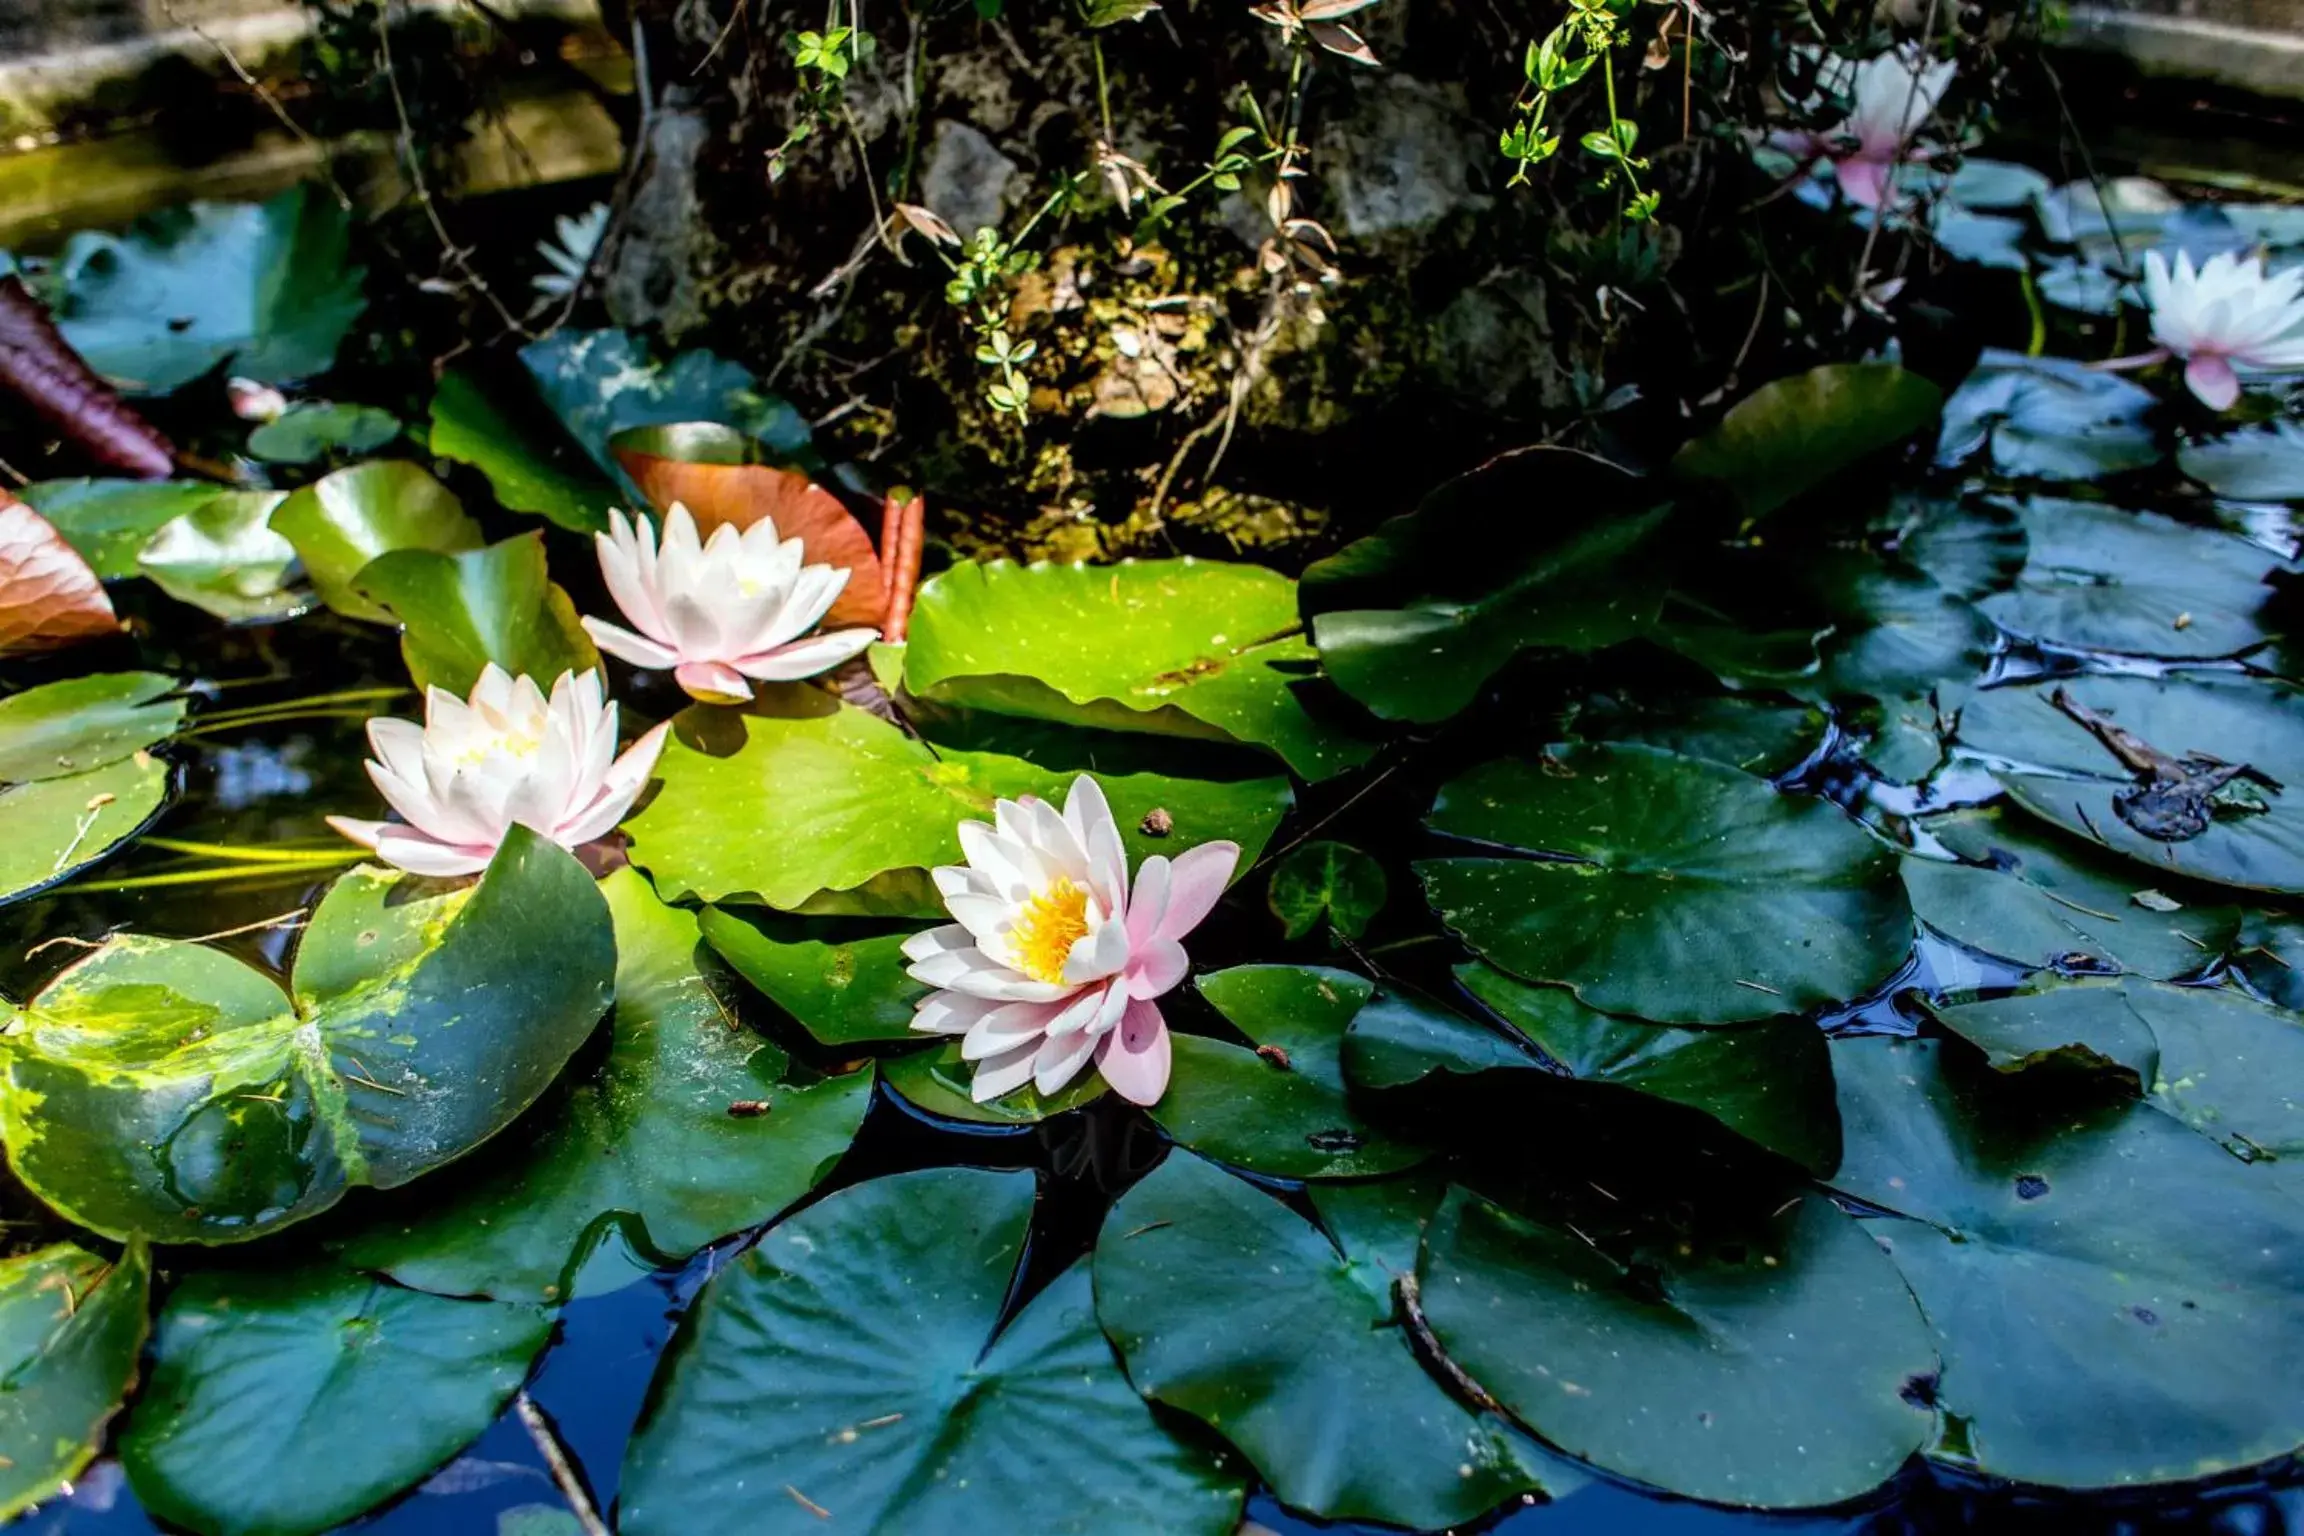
x,y
1790,436
72,1328
843,979
2045,418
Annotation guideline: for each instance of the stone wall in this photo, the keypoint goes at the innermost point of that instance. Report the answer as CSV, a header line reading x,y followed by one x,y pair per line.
x,y
2251,45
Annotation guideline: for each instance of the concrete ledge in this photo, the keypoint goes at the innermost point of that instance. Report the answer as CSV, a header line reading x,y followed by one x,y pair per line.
x,y
2265,60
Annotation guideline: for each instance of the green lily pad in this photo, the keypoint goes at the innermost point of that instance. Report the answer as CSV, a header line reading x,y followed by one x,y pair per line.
x,y
2270,954
1895,634
2211,1057
223,557
1735,729
2101,578
288,1401
1790,436
1544,547
340,522
529,460
1281,1110
2057,769
1764,1363
1670,888
1326,880
266,285
1770,1082
166,1089
2045,418
84,722
852,1369
1404,1037
1971,547
2263,463
936,1081
1179,647
842,980
666,1138
1285,1339
2105,1287
52,828
809,803
108,522
2042,901
311,430
72,1328
600,383
459,612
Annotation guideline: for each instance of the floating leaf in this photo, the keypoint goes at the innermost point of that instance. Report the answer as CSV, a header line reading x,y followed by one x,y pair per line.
x,y
110,521
341,522
1670,888
84,722
72,1327
1788,437
224,558
1229,1306
288,1401
311,430
459,612
845,986
600,383
1761,1362
2048,419
851,1368
52,828
265,285
48,595
1326,880
530,462
1404,1037
1281,1108
1971,547
937,1081
2271,955
41,368
2263,463
1180,647
167,1089
1735,729
2105,1287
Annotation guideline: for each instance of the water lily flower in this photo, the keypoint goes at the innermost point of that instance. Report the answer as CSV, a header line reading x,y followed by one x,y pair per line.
x,y
1890,95
717,611
1054,961
504,756
252,400
2223,313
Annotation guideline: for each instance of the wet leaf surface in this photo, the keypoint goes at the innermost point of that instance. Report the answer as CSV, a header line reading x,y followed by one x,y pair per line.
x,y
1790,436
84,722
341,522
460,612
72,1328
2043,418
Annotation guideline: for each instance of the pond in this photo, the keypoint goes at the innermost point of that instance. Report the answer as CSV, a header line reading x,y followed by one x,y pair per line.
x,y
1753,994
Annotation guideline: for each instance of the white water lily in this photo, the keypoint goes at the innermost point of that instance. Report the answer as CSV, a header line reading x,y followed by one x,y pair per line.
x,y
505,756
2223,315
1055,960
718,611
1890,96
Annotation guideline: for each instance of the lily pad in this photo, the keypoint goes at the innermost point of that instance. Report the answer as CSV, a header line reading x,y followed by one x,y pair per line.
x,y
852,1368
1282,1108
1896,634
223,557
266,286
1404,1036
1763,1364
52,828
84,722
689,1130
1790,436
288,1401
72,1328
515,441
825,806
1971,547
1540,548
600,383
459,612
1179,647
2104,1285
1666,887
2046,901
2271,956
110,521
2102,578
340,522
1286,1339
843,980
937,1080
311,430
2263,463
1736,729
2045,418
166,1089
1324,880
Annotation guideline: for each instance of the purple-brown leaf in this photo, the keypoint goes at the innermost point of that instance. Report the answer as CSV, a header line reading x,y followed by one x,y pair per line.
x,y
40,367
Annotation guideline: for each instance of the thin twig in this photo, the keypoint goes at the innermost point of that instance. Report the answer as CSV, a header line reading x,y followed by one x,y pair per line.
x,y
1888,194
559,1463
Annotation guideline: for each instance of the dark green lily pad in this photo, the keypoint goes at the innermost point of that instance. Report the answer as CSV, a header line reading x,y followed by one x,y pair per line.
x,y
51,828
1287,1340
459,612
2042,900
84,722
1736,729
285,1402
2263,463
109,521
844,983
311,430
72,1328
1770,1082
1324,880
668,1138
1185,647
936,1081
1403,1036
1540,548
530,461
1672,888
2270,953
223,557
2102,578
1971,547
1765,1364
166,1089
809,803
2105,1286
266,286
340,522
1896,634
851,1369
2044,418
1790,436
600,383
1282,1109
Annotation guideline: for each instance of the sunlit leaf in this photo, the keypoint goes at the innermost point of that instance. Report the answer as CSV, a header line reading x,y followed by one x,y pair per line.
x,y
72,1327
48,595
459,612
340,522
1788,437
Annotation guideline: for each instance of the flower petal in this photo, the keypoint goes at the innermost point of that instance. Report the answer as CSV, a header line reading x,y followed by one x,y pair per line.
x,y
2212,379
997,1075
626,646
1195,885
1135,1057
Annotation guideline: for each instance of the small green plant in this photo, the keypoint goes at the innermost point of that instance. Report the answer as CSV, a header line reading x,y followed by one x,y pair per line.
x,y
1591,34
985,267
823,60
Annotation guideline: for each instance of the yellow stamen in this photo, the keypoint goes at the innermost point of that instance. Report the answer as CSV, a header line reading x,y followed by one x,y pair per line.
x,y
1045,932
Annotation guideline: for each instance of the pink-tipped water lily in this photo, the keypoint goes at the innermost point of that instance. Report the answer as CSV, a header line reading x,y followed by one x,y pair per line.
x,y
1889,95
1055,960
739,605
505,756
2222,315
